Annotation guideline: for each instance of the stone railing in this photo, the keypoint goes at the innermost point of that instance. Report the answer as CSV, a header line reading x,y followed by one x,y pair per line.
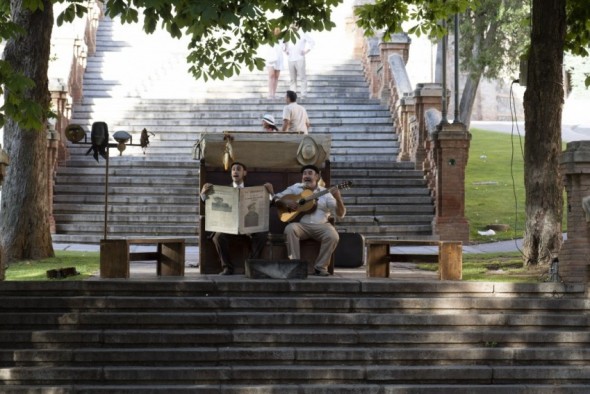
x,y
71,44
439,149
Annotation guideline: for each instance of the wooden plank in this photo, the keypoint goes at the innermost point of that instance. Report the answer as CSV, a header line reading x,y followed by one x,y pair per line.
x,y
377,260
450,264
114,258
171,258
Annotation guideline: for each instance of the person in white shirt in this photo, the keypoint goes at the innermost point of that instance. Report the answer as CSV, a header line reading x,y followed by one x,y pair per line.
x,y
295,117
222,240
314,222
296,54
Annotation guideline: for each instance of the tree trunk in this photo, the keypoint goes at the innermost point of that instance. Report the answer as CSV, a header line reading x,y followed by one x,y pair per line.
x,y
468,98
25,227
543,104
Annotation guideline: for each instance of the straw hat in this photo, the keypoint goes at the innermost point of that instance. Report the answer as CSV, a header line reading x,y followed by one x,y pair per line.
x,y
309,152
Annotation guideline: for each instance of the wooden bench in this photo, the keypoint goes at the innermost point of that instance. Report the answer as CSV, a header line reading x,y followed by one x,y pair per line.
x,y
115,256
449,256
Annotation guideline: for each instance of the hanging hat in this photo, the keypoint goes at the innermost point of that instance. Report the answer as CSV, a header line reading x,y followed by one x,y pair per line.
x,y
269,119
75,132
308,152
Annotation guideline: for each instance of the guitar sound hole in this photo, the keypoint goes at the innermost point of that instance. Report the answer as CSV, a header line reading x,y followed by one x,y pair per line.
x,y
301,202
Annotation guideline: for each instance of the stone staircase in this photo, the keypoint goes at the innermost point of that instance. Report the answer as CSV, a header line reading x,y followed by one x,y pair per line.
x,y
230,335
131,86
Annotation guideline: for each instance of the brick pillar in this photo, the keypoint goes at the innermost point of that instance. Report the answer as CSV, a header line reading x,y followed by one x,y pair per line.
x,y
400,44
574,257
451,151
426,96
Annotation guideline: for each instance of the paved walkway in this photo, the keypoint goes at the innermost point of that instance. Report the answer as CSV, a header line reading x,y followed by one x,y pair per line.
x,y
399,271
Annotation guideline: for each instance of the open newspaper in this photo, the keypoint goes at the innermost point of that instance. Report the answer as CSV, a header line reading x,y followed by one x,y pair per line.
x,y
237,211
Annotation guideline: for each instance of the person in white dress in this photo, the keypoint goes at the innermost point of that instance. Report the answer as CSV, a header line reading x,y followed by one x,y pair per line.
x,y
274,64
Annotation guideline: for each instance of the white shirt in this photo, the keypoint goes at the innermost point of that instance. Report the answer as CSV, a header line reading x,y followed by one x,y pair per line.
x,y
326,204
297,117
295,51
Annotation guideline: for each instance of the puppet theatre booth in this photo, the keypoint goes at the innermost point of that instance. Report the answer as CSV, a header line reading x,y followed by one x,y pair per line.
x,y
275,158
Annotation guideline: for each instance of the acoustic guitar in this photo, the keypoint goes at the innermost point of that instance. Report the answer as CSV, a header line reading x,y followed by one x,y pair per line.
x,y
306,202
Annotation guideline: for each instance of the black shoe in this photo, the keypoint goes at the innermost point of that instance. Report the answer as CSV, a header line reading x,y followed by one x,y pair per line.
x,y
318,272
227,271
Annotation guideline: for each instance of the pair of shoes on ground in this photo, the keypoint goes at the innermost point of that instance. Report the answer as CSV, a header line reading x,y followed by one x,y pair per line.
x,y
318,272
227,271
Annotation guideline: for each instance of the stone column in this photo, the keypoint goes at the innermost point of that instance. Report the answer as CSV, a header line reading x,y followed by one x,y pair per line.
x,y
574,257
407,112
400,44
372,64
426,96
52,149
451,151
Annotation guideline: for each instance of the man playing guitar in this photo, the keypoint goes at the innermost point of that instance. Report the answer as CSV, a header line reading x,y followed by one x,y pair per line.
x,y
313,220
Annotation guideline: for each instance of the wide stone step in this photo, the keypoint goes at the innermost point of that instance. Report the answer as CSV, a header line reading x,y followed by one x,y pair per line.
x,y
199,114
388,209
113,107
252,296
137,199
155,180
300,374
114,190
385,219
198,356
392,200
322,337
80,209
237,123
261,103
373,388
363,173
468,321
144,220
124,229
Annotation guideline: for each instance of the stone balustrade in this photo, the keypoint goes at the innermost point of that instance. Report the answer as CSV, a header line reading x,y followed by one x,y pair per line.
x,y
440,150
71,43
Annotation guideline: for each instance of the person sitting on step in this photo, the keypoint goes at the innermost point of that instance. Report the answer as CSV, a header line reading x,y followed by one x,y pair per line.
x,y
312,223
222,240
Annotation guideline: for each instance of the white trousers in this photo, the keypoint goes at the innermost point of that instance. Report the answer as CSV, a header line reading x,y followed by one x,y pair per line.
x,y
325,233
297,71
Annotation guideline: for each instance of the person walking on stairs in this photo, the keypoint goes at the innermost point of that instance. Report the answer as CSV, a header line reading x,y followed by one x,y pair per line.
x,y
274,65
295,117
296,53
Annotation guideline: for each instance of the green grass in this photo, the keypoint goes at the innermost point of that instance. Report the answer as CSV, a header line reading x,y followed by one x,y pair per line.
x,y
494,185
86,263
495,267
